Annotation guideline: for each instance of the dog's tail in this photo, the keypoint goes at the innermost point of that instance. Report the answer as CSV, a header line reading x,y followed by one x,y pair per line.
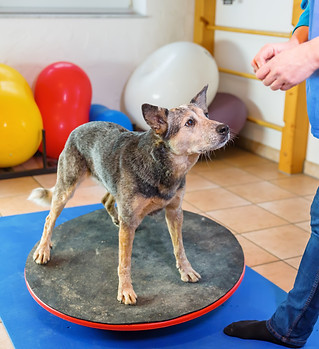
x,y
41,196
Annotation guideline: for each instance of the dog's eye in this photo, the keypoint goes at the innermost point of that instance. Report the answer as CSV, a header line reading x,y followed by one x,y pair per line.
x,y
190,123
207,115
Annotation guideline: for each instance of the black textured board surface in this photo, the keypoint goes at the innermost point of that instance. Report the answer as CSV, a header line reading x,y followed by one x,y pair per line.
x,y
81,279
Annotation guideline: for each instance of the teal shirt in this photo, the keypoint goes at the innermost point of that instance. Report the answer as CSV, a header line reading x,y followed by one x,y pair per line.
x,y
310,18
304,18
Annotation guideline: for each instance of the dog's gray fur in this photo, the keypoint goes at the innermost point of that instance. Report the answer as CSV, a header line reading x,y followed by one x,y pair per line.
x,y
142,173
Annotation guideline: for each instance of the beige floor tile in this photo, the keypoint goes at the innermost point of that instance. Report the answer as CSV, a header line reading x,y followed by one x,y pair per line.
x,y
196,182
230,151
47,180
188,207
293,210
5,341
309,197
90,182
283,242
207,166
280,273
214,199
86,196
88,193
18,204
230,176
246,218
17,186
294,262
260,192
268,171
235,155
299,184
305,226
245,159
254,255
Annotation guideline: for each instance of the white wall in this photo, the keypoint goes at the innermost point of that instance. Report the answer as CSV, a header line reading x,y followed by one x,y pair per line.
x,y
107,49
235,51
313,149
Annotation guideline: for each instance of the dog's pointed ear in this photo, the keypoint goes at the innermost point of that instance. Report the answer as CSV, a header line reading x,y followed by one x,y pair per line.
x,y
200,99
155,117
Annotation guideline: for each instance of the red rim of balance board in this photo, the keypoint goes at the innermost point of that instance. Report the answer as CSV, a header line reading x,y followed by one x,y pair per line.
x,y
139,326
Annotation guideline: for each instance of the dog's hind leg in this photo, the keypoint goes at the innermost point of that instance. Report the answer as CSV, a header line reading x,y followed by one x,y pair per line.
x,y
42,253
109,203
70,171
174,220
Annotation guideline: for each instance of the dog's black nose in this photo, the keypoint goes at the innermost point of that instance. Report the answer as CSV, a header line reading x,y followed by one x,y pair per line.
x,y
222,129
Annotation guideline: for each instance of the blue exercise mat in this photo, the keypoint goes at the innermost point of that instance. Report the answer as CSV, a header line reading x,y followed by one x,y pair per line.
x,y
30,326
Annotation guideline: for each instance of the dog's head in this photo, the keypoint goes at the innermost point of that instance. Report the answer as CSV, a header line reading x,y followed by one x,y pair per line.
x,y
187,128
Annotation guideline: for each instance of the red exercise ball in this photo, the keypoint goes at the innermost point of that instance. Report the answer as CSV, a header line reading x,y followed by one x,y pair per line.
x,y
63,94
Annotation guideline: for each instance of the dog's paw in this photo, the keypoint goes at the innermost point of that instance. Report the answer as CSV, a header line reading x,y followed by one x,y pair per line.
x,y
127,296
188,274
42,254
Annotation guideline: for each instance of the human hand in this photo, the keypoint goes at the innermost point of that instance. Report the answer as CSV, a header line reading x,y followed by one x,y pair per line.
x,y
290,67
269,51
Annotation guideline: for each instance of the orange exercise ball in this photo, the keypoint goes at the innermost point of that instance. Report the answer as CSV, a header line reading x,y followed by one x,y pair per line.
x,y
20,119
63,93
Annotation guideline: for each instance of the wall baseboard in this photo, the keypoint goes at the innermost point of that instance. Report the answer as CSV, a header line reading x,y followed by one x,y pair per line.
x,y
310,168
258,148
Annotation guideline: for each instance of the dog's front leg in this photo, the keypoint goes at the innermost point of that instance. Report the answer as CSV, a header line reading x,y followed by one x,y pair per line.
x,y
174,219
126,293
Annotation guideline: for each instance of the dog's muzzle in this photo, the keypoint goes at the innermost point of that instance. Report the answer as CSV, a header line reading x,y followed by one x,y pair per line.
x,y
222,129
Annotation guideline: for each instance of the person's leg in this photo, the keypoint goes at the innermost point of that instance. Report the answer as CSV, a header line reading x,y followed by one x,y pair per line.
x,y
293,321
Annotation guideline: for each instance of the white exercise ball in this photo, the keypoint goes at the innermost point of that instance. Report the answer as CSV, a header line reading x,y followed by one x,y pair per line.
x,y
169,77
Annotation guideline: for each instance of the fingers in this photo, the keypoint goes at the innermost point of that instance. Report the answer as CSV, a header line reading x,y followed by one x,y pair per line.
x,y
276,83
279,66
276,75
263,72
285,87
255,65
269,78
263,56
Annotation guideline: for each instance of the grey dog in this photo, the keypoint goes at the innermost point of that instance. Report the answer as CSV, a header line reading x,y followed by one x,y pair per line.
x,y
142,172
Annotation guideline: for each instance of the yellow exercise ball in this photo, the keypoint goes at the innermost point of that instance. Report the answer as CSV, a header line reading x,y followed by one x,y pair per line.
x,y
20,119
9,76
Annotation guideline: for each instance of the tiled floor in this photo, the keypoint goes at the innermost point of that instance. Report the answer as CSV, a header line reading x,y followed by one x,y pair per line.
x,y
268,211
